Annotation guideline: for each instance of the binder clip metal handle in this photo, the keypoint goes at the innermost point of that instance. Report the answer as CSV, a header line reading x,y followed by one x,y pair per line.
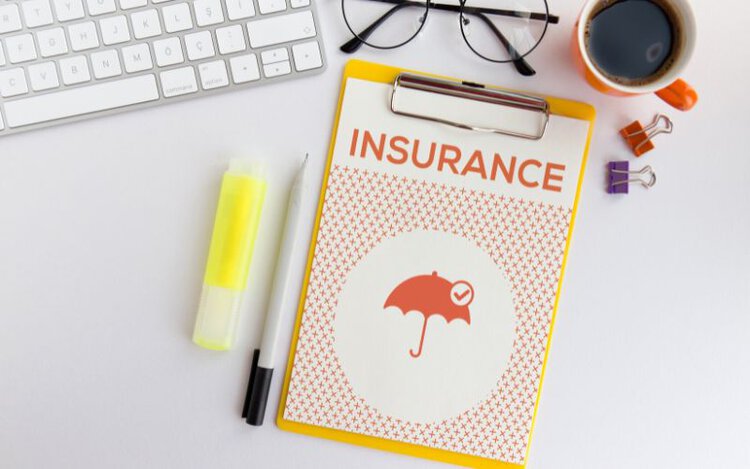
x,y
474,93
620,177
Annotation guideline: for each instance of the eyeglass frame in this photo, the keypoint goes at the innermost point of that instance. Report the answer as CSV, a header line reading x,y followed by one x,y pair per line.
x,y
518,60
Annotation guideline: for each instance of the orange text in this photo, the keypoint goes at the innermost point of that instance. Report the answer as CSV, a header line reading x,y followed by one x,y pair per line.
x,y
443,157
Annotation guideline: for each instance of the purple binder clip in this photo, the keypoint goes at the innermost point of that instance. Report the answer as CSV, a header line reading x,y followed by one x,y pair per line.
x,y
619,178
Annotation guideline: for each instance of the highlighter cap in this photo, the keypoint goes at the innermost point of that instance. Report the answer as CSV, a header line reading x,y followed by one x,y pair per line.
x,y
218,313
243,191
247,167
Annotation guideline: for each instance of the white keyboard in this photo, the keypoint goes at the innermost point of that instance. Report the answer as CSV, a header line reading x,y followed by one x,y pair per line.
x,y
63,60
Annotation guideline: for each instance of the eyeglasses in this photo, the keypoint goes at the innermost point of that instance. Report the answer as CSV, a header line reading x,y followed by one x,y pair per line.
x,y
506,31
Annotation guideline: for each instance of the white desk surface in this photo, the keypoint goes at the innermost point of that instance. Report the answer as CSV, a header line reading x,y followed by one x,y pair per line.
x,y
104,229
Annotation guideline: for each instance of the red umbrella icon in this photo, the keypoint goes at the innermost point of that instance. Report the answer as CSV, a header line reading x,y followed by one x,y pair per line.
x,y
432,295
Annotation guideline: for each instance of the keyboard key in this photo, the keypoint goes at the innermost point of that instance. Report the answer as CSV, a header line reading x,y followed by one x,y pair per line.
x,y
43,76
37,13
274,55
178,82
100,7
199,45
299,3
168,52
52,42
137,58
230,39
128,4
271,6
145,24
78,101
83,36
13,83
114,30
177,17
208,12
74,70
20,48
244,68
213,74
2,55
277,69
240,9
307,56
106,64
10,18
2,125
279,29
68,10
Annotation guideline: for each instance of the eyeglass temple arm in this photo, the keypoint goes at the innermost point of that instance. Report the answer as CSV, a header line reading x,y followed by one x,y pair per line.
x,y
519,62
356,42
553,19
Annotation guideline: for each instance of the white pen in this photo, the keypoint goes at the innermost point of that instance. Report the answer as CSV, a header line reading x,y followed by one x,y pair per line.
x,y
282,299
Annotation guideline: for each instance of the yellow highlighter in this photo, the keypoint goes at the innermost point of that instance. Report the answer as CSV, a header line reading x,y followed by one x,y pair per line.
x,y
243,189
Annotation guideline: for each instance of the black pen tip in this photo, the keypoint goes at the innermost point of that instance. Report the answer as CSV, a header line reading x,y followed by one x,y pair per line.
x,y
259,396
249,392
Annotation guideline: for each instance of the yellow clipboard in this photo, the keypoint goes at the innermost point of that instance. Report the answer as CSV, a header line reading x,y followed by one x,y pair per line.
x,y
385,74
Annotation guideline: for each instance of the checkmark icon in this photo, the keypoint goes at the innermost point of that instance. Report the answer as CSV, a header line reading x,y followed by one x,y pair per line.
x,y
461,296
462,293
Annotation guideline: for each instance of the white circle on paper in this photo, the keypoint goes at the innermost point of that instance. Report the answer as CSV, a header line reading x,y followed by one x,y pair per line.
x,y
460,363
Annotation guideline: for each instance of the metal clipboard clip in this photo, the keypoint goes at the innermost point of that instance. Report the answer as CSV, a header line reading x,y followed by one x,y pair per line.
x,y
406,82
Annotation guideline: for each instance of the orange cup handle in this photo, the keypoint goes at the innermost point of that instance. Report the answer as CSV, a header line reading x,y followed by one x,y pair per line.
x,y
679,95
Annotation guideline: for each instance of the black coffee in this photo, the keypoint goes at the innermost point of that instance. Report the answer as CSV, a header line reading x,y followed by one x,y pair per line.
x,y
631,41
